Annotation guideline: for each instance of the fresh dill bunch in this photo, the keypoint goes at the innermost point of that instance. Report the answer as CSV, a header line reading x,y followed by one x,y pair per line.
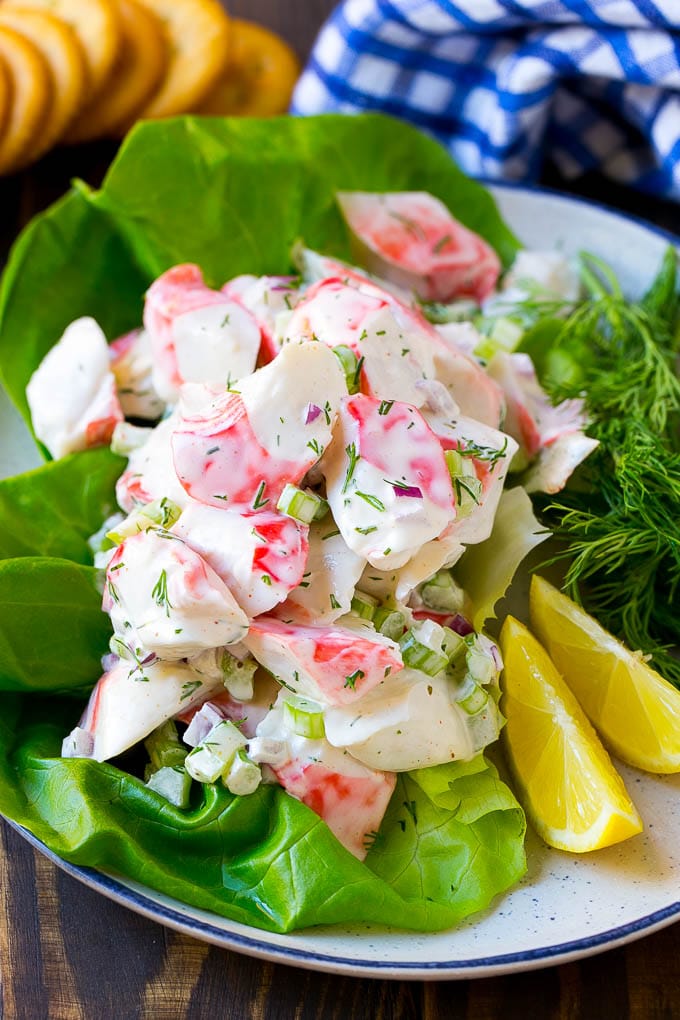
x,y
620,524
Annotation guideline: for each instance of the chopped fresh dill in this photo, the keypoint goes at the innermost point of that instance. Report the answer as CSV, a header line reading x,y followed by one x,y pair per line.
x,y
619,518
354,457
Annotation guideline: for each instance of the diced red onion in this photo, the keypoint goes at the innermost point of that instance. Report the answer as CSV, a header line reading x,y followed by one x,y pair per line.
x,y
461,625
285,283
313,412
407,490
207,717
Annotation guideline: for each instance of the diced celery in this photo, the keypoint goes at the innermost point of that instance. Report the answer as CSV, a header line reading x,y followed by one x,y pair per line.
x,y
213,756
238,676
389,622
350,366
364,605
301,504
421,648
305,717
172,782
243,777
471,697
162,513
442,594
204,765
164,747
454,645
479,660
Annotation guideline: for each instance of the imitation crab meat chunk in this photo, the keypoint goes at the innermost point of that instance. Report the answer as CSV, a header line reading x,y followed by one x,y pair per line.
x,y
197,334
536,424
334,665
150,472
392,349
387,481
260,557
164,599
485,455
132,366
265,297
411,239
130,701
350,797
72,394
330,575
414,722
244,447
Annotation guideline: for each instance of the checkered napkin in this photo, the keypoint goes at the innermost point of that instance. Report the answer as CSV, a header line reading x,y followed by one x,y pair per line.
x,y
505,84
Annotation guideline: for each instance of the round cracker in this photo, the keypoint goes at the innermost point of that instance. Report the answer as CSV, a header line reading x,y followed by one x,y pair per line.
x,y
4,95
30,95
96,24
198,35
135,76
59,46
259,75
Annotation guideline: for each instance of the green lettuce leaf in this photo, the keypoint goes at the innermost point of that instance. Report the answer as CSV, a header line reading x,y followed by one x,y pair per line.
x,y
487,569
265,860
53,510
233,196
53,632
230,194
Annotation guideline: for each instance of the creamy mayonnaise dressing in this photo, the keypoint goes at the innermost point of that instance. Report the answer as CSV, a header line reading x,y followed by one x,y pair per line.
x,y
323,458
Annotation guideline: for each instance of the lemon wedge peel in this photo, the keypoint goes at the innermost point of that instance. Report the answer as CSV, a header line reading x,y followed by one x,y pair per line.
x,y
635,711
571,792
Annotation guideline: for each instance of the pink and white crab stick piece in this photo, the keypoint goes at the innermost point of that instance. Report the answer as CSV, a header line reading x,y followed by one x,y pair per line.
x,y
264,297
411,239
350,797
132,367
129,701
324,592
245,446
537,425
486,455
72,394
397,348
387,481
163,598
393,350
332,664
260,557
197,334
150,473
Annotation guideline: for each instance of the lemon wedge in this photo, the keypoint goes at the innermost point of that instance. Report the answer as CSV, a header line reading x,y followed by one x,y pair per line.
x,y
635,711
571,792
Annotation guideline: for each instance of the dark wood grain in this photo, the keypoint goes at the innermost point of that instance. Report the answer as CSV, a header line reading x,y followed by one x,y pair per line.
x,y
66,953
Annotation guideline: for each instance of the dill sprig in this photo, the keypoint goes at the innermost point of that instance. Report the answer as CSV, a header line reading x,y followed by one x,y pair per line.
x,y
620,520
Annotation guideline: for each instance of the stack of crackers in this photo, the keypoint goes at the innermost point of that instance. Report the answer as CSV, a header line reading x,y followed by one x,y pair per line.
x,y
76,70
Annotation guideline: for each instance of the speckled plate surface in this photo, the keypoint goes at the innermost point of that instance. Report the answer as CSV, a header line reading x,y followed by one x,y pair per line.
x,y
567,906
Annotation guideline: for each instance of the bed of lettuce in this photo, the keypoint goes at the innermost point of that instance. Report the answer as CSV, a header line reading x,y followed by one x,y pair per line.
x,y
233,196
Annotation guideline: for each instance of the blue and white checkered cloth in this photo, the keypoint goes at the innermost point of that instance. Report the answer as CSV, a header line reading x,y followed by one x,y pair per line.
x,y
506,83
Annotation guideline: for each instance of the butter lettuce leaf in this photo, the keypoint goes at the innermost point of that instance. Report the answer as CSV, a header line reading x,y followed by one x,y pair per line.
x,y
54,509
233,196
266,859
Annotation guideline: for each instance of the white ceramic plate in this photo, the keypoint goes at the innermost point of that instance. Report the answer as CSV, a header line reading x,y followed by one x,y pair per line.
x,y
567,906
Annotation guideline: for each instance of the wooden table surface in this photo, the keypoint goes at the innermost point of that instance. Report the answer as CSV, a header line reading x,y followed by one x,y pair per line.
x,y
68,954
